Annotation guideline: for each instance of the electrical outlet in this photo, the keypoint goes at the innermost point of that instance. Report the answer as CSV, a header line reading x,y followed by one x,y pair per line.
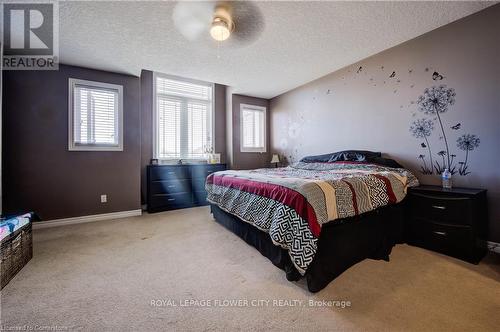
x,y
104,198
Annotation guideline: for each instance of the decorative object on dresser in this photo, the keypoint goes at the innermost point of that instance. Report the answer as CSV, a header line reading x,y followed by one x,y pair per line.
x,y
16,245
450,221
178,186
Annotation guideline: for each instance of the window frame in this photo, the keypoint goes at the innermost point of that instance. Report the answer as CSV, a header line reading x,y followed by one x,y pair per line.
x,y
253,149
72,146
155,144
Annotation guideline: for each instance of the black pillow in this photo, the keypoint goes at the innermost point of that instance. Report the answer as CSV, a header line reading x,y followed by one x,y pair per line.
x,y
387,162
348,155
323,158
354,155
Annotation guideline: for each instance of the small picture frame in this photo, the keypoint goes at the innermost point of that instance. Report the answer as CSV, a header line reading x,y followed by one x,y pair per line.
x,y
154,161
215,158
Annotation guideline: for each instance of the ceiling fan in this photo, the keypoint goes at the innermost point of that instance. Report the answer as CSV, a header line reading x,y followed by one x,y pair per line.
x,y
236,23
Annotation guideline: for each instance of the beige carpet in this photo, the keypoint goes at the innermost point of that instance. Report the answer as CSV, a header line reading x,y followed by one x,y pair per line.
x,y
104,275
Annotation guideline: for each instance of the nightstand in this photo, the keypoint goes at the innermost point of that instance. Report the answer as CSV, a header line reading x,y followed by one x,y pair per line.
x,y
453,222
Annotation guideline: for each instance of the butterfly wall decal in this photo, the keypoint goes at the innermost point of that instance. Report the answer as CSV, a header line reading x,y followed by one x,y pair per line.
x,y
423,145
393,74
359,70
456,127
436,76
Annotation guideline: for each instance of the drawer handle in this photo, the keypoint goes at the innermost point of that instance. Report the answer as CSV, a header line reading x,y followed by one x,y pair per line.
x,y
171,172
439,233
440,207
171,199
171,186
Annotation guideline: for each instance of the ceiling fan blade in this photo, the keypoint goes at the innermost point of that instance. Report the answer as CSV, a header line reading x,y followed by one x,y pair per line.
x,y
193,19
248,20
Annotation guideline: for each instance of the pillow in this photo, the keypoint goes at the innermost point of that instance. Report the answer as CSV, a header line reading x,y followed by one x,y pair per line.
x,y
324,158
354,155
386,162
348,155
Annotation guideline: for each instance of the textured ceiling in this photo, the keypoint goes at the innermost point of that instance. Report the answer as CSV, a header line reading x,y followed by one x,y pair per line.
x,y
298,41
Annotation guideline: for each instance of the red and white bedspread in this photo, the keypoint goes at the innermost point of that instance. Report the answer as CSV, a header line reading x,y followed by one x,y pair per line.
x,y
292,203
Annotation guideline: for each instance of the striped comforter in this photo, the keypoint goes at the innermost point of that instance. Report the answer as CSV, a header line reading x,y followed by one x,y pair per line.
x,y
292,203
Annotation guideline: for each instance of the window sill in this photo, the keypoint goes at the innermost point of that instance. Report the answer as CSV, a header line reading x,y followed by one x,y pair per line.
x,y
252,151
102,148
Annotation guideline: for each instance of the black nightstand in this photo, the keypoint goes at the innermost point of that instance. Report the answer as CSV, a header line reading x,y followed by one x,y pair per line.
x,y
453,222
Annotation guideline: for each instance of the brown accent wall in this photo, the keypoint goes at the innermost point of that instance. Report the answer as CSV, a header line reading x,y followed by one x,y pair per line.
x,y
39,173
363,107
220,121
248,160
147,96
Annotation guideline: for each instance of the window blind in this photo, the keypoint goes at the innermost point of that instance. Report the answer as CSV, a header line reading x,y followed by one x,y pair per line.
x,y
253,129
183,119
95,116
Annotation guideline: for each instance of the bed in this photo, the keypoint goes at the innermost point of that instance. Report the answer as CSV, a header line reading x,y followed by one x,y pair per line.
x,y
317,217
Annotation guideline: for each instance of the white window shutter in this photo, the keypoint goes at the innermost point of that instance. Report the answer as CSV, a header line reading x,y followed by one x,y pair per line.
x,y
96,114
253,128
183,119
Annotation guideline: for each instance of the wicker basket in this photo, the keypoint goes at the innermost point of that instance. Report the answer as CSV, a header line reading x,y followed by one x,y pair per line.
x,y
17,250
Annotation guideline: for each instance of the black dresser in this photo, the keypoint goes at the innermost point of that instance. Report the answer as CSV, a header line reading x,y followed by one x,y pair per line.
x,y
453,222
178,186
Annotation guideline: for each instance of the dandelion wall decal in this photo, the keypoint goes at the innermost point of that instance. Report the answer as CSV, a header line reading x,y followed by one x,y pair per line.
x,y
422,128
467,142
436,101
440,168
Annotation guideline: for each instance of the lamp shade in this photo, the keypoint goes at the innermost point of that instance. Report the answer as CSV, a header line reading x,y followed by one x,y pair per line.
x,y
275,159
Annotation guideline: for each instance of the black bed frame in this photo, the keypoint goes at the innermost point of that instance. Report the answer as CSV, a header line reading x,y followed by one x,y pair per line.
x,y
341,244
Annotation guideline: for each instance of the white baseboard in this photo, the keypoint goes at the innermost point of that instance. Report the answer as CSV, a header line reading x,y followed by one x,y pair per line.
x,y
84,219
493,246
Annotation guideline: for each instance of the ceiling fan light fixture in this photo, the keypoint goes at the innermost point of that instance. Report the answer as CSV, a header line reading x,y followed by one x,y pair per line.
x,y
221,29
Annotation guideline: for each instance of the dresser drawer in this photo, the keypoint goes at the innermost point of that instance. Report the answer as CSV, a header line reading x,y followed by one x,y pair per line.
x,y
454,240
205,170
453,210
170,187
169,173
171,201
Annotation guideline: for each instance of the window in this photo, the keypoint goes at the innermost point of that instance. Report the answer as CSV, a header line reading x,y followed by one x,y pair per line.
x,y
183,118
95,116
252,128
